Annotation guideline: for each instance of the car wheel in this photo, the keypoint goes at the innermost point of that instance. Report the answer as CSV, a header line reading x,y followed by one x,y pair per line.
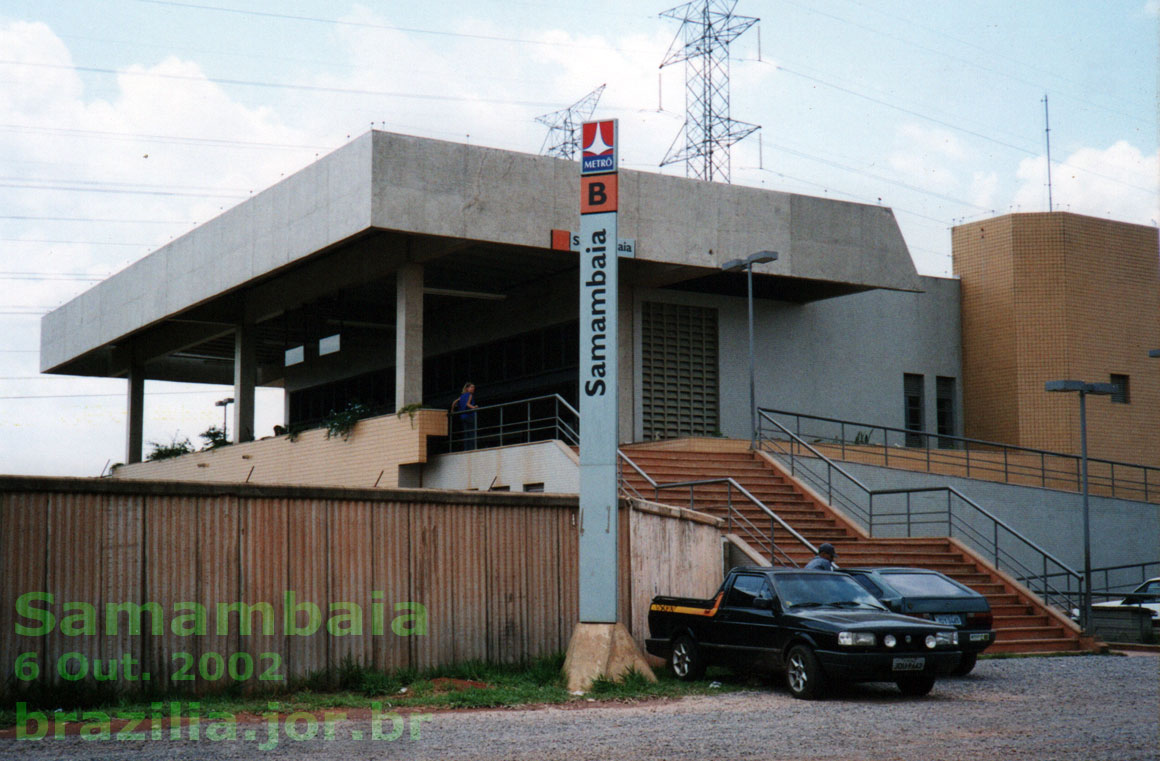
x,y
916,686
685,661
966,665
803,675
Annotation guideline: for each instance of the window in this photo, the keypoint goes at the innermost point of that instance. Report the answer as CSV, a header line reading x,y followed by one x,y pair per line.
x,y
536,487
679,384
1120,396
945,410
914,413
745,588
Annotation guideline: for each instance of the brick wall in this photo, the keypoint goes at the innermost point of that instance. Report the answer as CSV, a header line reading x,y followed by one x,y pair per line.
x,y
1060,296
370,457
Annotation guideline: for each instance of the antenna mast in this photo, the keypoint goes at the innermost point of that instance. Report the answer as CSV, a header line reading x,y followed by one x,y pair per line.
x,y
708,27
563,138
1047,136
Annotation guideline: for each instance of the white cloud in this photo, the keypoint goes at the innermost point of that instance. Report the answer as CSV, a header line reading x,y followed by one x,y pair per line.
x,y
1152,8
1119,182
933,159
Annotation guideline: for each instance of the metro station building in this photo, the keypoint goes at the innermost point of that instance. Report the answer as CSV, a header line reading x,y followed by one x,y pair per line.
x,y
397,268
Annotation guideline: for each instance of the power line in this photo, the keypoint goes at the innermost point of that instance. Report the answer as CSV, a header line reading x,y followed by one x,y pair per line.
x,y
288,85
96,396
26,217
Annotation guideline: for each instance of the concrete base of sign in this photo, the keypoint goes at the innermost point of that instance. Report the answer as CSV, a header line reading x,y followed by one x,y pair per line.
x,y
602,650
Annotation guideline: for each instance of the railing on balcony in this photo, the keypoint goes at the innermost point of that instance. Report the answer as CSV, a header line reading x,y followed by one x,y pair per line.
x,y
539,418
972,458
737,521
932,511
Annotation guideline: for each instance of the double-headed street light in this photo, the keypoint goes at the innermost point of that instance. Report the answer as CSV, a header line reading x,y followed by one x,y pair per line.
x,y
734,265
1083,389
224,404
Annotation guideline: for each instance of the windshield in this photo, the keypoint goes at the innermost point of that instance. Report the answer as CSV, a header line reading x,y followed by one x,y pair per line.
x,y
924,585
817,589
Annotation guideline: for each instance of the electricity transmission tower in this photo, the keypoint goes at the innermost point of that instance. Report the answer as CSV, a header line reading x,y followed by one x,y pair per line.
x,y
563,138
702,42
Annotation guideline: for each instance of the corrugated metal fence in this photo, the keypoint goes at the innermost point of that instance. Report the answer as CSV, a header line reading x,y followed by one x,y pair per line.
x,y
392,578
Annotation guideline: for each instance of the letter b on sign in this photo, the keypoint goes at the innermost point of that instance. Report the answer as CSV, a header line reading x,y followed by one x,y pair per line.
x,y
598,193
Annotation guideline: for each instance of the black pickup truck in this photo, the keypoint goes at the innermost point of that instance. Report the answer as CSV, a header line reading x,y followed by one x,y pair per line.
x,y
815,626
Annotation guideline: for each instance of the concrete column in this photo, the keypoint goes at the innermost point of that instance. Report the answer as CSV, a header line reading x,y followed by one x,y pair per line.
x,y
626,368
245,378
135,419
408,335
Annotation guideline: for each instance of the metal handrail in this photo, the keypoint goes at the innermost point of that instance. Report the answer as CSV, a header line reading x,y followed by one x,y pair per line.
x,y
1118,590
987,539
732,513
505,425
1118,478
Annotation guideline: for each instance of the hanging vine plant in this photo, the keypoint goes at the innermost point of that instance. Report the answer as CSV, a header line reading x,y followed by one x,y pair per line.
x,y
340,424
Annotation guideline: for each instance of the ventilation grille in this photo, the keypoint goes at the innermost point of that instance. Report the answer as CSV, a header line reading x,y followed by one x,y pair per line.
x,y
679,371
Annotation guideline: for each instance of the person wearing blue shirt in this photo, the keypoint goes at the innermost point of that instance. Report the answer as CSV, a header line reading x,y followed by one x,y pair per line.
x,y
464,407
825,559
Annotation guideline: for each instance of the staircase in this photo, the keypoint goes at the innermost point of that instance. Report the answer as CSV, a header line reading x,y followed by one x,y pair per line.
x,y
1022,622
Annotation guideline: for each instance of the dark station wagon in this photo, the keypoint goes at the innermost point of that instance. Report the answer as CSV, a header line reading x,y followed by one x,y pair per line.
x,y
929,594
815,626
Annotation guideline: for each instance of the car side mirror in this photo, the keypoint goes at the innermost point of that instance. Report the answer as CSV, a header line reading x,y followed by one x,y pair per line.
x,y
763,603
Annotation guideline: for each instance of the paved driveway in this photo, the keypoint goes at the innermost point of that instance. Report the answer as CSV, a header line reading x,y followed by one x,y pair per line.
x,y
1047,709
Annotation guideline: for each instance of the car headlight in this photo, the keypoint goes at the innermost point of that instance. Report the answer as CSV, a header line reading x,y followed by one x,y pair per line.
x,y
857,639
942,639
890,640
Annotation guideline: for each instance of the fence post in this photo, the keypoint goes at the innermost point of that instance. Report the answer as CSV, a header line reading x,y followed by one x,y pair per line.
x,y
1043,469
1006,474
908,514
927,439
950,527
729,502
870,520
829,484
843,435
996,540
967,448
1113,466
1145,484
885,448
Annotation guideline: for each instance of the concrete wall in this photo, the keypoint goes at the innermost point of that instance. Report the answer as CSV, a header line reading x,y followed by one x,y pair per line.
x,y
371,457
843,357
1122,531
550,463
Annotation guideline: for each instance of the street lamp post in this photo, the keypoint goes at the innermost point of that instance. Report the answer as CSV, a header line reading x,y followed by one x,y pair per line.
x,y
224,404
1083,389
733,265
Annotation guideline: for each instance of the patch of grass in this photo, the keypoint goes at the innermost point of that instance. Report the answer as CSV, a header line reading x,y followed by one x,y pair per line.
x,y
472,684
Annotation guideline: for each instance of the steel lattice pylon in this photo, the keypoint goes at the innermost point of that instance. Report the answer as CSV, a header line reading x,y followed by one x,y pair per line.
x,y
702,42
563,138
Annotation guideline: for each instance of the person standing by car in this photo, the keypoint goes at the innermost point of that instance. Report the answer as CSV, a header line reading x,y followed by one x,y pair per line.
x,y
825,559
464,408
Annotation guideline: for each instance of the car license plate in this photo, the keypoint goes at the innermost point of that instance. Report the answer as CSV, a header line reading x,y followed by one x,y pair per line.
x,y
909,664
980,637
953,619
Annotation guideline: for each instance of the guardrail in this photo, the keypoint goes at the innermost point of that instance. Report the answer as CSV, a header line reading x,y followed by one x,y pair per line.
x,y
736,521
1132,575
909,512
976,458
539,418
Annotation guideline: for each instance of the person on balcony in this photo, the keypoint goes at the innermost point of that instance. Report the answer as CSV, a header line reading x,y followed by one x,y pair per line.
x,y
464,409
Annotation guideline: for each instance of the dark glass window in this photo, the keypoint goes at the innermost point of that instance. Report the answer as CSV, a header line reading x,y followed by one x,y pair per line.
x,y
914,411
1120,396
745,588
945,410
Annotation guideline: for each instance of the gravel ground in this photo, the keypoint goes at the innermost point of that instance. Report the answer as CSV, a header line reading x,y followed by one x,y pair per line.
x,y
1047,709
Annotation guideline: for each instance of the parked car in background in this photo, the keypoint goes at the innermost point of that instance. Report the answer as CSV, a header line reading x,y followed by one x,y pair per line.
x,y
1147,595
937,597
817,627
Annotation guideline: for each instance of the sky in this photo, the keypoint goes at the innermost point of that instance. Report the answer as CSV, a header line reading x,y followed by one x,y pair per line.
x,y
125,123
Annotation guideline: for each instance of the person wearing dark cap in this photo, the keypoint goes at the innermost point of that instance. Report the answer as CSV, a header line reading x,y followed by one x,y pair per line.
x,y
825,559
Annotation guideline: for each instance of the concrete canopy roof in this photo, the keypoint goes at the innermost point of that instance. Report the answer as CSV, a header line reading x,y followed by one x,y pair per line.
x,y
351,218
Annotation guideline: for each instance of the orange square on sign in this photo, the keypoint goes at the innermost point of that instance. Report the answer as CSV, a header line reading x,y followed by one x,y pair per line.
x,y
598,193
